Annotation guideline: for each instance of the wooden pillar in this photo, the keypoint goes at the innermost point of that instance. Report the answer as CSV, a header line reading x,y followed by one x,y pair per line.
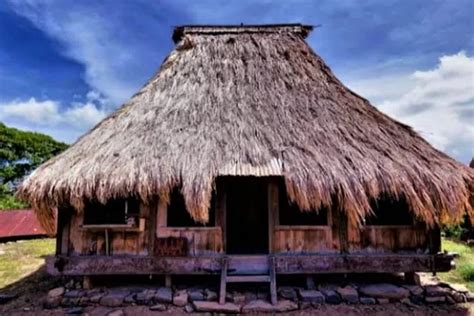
x,y
273,286
161,217
273,211
59,230
340,229
87,282
310,282
221,209
168,281
63,229
412,278
223,284
434,240
151,226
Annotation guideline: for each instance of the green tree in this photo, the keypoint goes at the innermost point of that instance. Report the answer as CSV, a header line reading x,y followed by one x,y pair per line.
x,y
20,153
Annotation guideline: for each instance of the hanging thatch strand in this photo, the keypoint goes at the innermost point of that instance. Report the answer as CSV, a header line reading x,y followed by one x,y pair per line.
x,y
252,100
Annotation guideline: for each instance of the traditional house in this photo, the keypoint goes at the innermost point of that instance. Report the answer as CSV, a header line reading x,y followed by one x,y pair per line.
x,y
245,156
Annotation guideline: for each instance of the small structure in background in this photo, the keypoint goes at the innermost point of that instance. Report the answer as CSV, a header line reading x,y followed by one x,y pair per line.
x,y
20,224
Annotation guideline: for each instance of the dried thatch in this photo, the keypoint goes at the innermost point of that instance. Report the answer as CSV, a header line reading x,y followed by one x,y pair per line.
x,y
252,100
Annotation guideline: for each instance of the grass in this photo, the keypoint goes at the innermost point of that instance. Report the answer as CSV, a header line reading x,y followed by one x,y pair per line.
x,y
464,272
19,259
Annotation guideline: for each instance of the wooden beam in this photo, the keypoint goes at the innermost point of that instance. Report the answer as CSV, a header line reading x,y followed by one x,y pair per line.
x,y
294,264
363,263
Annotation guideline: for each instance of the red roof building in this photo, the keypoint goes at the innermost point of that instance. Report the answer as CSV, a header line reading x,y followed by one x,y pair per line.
x,y
19,224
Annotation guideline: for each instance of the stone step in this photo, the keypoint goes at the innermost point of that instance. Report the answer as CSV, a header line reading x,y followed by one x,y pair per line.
x,y
248,278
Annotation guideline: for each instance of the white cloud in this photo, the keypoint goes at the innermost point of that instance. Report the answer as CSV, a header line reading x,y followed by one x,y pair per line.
x,y
37,112
438,103
112,44
64,123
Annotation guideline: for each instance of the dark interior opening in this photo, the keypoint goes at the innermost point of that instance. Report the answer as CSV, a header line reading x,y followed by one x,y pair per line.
x,y
247,216
116,211
389,211
291,214
178,216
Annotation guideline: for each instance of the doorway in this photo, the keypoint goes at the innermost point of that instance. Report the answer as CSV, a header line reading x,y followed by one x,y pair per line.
x,y
247,216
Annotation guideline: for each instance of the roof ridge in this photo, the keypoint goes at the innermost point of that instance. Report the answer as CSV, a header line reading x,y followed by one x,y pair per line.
x,y
181,30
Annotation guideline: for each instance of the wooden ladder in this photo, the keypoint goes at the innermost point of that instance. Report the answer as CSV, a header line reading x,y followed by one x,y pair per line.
x,y
246,278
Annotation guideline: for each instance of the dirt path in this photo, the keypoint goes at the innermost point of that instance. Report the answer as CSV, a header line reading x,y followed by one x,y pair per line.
x,y
324,310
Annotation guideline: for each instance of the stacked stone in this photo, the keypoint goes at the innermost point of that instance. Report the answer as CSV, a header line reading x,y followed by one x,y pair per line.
x,y
290,298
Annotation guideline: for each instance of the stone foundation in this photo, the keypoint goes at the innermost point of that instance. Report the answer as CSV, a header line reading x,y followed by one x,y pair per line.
x,y
289,298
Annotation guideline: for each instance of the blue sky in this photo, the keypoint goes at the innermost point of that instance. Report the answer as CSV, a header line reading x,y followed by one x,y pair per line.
x,y
65,64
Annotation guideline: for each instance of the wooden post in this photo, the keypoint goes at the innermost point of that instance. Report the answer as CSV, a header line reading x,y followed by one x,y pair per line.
x,y
343,233
161,218
273,290
64,226
168,280
87,282
273,210
221,207
310,282
107,244
151,226
222,290
434,240
412,278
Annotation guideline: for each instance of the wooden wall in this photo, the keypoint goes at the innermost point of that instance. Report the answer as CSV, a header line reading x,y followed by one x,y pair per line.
x,y
297,239
384,239
81,240
336,237
302,239
201,240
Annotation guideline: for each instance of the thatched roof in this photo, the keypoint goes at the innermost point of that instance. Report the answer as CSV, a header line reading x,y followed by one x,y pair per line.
x,y
252,100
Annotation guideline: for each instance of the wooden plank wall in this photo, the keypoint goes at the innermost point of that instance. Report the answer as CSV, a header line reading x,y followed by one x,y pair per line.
x,y
201,240
82,241
336,237
386,239
296,239
302,239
